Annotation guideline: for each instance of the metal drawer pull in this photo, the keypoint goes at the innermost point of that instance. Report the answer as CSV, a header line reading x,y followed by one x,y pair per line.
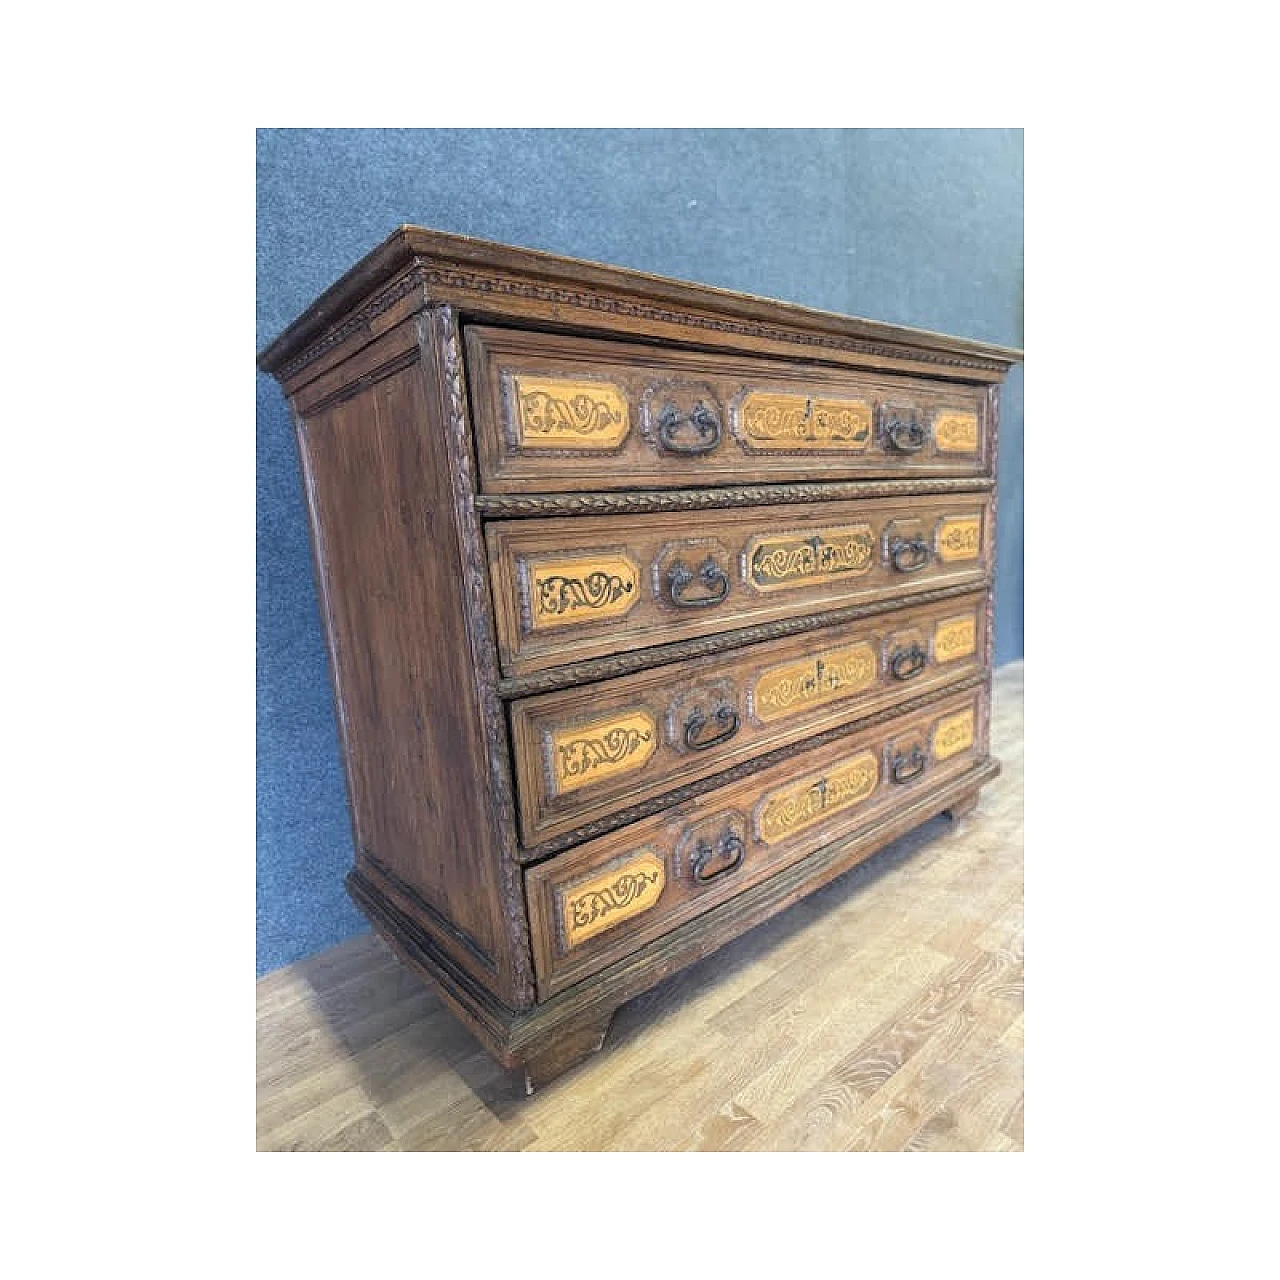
x,y
726,716
905,436
909,554
904,768
704,422
728,846
680,578
908,662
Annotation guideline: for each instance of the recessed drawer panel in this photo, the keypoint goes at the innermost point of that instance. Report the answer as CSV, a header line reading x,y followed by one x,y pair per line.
x,y
563,413
587,752
604,899
583,587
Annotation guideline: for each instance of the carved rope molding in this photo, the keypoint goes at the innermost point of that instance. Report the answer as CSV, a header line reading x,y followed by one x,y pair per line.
x,y
507,506
621,664
502,805
679,795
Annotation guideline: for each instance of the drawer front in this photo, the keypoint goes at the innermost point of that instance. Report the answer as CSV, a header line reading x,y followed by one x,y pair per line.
x,y
603,900
584,753
570,589
562,413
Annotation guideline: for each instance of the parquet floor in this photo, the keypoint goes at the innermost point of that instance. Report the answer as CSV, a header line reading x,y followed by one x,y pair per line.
x,y
882,1013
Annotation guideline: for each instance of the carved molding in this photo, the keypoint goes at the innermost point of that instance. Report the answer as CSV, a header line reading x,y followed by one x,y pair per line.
x,y
679,795
475,280
412,279
483,645
513,505
621,664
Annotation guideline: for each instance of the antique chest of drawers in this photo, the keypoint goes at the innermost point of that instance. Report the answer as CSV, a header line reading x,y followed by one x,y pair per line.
x,y
650,609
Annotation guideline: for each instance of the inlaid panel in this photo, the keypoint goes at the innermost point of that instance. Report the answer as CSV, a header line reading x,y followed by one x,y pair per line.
x,y
582,587
554,412
585,753
564,413
607,897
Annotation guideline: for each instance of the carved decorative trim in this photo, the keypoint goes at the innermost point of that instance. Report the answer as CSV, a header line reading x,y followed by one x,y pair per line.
x,y
679,795
506,506
621,664
479,281
412,279
483,644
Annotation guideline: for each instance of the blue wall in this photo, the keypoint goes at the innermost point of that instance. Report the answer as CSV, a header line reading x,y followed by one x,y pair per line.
x,y
917,227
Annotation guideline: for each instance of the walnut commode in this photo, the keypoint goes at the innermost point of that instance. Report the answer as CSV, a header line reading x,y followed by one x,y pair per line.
x,y
650,608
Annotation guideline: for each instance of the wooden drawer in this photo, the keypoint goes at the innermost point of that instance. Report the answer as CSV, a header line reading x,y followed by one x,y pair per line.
x,y
582,754
603,900
563,413
569,589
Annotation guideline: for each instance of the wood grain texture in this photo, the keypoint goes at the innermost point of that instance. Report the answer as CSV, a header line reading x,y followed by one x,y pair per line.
x,y
883,1012
673,726
506,283
741,568
560,413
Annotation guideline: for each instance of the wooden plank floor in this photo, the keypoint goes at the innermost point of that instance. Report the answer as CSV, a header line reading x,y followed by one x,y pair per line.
x,y
883,1013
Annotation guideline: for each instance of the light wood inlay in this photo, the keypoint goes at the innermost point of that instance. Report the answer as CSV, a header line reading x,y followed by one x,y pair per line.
x,y
883,1013
953,734
583,754
778,563
793,687
625,890
793,421
562,593
956,432
959,538
783,812
955,638
559,413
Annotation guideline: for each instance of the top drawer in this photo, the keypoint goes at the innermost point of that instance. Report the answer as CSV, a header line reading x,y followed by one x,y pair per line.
x,y
563,413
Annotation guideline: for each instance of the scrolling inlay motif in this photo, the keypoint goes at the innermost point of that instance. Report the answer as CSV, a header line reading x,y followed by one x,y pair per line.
x,y
956,432
959,538
562,592
953,734
790,809
556,413
589,753
792,421
792,687
777,563
598,904
955,638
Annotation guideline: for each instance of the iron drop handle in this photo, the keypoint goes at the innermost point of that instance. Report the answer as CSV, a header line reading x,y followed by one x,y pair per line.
x,y
726,716
905,435
728,846
705,424
904,768
712,577
908,662
908,554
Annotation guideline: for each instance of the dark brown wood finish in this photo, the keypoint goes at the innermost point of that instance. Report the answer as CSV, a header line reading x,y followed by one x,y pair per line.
x,y
442,604
568,590
628,444
585,752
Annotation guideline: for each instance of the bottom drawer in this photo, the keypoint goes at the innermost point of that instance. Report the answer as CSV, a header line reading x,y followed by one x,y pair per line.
x,y
604,899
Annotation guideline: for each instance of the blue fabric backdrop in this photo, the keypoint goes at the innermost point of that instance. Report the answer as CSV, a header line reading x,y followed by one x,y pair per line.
x,y
918,227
